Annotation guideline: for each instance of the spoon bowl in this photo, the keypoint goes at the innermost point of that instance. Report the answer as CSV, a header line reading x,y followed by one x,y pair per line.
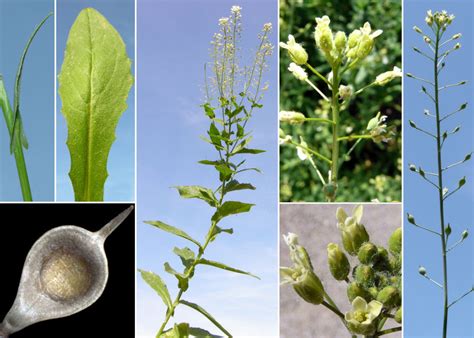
x,y
65,272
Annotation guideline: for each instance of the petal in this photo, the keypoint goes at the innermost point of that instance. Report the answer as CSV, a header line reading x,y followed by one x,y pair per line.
x,y
283,45
374,308
359,304
376,33
341,215
358,212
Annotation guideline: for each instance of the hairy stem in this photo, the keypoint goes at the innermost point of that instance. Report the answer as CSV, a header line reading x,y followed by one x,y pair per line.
x,y
335,130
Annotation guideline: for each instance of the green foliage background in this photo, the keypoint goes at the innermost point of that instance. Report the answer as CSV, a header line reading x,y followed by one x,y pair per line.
x,y
373,171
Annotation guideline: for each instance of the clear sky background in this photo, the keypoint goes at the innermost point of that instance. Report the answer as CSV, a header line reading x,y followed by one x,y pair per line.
x,y
121,168
19,18
173,45
423,300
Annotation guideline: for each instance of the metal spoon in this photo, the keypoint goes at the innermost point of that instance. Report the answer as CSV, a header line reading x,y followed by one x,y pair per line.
x,y
65,272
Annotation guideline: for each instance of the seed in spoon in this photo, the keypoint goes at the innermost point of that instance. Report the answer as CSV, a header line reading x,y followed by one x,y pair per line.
x,y
65,276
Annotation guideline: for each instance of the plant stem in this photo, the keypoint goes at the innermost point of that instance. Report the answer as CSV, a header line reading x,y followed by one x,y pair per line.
x,y
354,137
387,331
440,192
335,129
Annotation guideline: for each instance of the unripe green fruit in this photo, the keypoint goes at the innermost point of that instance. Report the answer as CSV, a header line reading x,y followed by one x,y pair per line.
x,y
395,242
389,296
356,290
364,275
366,253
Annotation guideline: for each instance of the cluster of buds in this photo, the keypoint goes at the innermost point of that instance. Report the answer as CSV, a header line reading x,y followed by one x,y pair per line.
x,y
301,276
441,19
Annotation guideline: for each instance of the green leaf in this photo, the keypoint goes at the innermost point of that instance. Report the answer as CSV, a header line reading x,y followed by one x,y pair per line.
x,y
207,162
217,230
240,130
17,120
224,170
230,208
205,314
158,285
186,254
214,134
182,280
209,110
201,333
94,83
235,185
248,151
180,330
196,191
224,267
173,230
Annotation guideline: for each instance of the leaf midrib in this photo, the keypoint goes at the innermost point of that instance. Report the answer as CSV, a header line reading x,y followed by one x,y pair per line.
x,y
89,126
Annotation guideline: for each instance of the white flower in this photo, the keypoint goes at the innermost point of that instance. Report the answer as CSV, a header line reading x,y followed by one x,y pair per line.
x,y
361,319
367,29
384,78
291,117
267,27
291,239
223,21
345,92
297,52
298,71
302,153
236,9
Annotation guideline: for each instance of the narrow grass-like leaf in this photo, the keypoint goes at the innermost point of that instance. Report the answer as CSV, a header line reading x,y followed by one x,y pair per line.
x,y
17,121
158,285
231,208
205,314
94,83
224,267
196,191
173,230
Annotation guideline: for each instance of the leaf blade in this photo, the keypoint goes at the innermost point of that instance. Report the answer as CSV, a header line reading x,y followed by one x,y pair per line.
x,y
157,284
205,314
173,230
231,208
94,84
225,267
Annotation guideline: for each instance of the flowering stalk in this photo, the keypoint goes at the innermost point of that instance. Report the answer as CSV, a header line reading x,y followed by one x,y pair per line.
x,y
343,54
438,24
373,288
238,92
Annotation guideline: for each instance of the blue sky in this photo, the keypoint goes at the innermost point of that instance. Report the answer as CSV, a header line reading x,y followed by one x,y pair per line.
x,y
173,45
37,96
423,300
121,168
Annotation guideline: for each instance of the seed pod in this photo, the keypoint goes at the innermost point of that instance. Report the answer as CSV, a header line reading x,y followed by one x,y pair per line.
x,y
338,262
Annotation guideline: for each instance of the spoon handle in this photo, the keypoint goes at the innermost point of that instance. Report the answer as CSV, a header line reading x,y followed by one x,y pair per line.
x,y
113,224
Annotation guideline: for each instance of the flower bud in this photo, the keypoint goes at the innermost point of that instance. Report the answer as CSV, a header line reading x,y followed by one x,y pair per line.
x,y
298,71
338,262
309,287
456,36
345,92
457,46
373,292
354,290
354,38
384,78
429,18
395,242
367,253
366,44
330,190
422,270
389,296
398,316
412,167
353,236
427,39
364,275
395,264
323,34
296,52
464,234
340,41
418,30
381,259
291,117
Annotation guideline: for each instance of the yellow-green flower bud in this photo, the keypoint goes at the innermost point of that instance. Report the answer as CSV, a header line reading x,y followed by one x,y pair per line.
x,y
323,34
362,319
367,253
464,234
398,316
422,270
381,260
291,117
340,42
298,72
354,38
309,287
384,78
373,291
366,44
429,18
396,263
338,262
364,275
353,236
395,242
417,29
389,296
354,290
296,52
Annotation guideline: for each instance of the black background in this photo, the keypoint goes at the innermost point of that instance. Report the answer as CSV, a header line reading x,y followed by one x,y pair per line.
x,y
113,315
